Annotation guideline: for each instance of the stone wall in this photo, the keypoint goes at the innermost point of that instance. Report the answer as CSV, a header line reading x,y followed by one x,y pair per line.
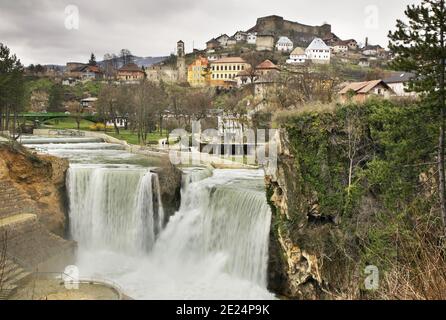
x,y
297,32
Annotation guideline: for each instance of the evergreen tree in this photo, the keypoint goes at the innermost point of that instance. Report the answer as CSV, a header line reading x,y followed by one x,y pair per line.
x,y
55,98
92,61
11,89
419,47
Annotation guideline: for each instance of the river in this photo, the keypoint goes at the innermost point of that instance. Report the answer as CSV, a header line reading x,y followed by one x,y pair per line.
x,y
215,247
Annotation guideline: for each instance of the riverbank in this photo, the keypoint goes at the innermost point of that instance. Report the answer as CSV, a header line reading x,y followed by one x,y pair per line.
x,y
196,158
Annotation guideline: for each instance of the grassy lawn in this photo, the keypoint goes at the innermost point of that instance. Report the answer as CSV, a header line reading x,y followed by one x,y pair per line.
x,y
132,138
125,135
68,123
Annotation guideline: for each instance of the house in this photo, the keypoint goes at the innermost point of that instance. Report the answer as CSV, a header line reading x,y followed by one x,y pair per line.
x,y
130,72
91,73
267,68
318,52
212,44
231,42
197,72
89,105
398,81
83,71
364,62
265,42
252,38
266,71
162,72
340,47
352,44
223,40
225,70
361,91
298,56
370,50
240,36
72,66
284,44
69,82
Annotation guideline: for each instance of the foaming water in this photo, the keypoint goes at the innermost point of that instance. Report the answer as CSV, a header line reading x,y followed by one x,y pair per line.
x,y
113,208
214,247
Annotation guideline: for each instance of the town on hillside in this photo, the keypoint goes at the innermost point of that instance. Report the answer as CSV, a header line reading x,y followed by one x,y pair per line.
x,y
261,57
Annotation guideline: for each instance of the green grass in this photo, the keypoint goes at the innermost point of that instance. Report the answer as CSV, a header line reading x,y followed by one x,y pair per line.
x,y
68,123
126,135
132,138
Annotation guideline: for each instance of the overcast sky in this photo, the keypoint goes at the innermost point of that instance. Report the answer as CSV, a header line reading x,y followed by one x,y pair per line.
x,y
36,30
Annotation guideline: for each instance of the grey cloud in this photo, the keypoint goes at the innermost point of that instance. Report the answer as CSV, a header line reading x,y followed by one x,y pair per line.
x,y
34,29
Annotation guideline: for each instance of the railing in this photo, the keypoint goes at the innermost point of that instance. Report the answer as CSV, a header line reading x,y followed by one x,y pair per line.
x,y
71,133
98,281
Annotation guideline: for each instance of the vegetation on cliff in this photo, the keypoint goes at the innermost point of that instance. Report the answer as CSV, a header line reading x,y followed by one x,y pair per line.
x,y
361,190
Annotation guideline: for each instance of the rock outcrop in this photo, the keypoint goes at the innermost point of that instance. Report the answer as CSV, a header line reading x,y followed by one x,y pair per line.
x,y
33,184
170,179
32,217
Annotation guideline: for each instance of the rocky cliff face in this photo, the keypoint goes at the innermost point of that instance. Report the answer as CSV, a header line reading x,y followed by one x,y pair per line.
x,y
311,255
354,185
293,271
38,182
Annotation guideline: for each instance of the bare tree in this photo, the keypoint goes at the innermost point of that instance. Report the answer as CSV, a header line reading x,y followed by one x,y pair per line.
x,y
75,108
3,250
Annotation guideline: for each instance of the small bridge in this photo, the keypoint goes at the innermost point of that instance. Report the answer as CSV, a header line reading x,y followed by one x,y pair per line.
x,y
43,117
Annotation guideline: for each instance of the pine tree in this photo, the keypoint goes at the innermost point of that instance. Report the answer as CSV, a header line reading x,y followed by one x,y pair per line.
x,y
92,61
55,98
419,47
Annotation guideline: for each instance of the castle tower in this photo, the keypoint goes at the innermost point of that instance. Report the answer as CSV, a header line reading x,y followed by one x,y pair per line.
x,y
181,62
180,49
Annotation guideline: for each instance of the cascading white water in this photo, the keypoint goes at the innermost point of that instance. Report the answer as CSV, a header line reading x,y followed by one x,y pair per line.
x,y
222,221
214,247
115,209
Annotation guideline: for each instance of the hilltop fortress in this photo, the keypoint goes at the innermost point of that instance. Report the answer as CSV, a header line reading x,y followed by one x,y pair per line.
x,y
297,32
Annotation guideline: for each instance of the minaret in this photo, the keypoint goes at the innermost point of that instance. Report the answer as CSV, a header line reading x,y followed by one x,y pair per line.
x,y
181,62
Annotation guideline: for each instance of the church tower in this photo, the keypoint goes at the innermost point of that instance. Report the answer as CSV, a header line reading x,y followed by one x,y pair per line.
x,y
181,62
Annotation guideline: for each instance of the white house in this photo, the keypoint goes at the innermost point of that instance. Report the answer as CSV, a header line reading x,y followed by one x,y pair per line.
x,y
252,38
223,40
240,36
340,47
318,52
284,44
372,50
398,82
364,62
298,56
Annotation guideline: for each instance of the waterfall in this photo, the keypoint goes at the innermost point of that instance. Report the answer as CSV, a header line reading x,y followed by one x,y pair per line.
x,y
215,247
220,222
114,209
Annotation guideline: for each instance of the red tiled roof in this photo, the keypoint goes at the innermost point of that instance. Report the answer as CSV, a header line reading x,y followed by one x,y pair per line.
x,y
131,67
267,64
362,87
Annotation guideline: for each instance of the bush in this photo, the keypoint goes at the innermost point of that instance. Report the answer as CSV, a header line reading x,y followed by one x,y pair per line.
x,y
97,127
